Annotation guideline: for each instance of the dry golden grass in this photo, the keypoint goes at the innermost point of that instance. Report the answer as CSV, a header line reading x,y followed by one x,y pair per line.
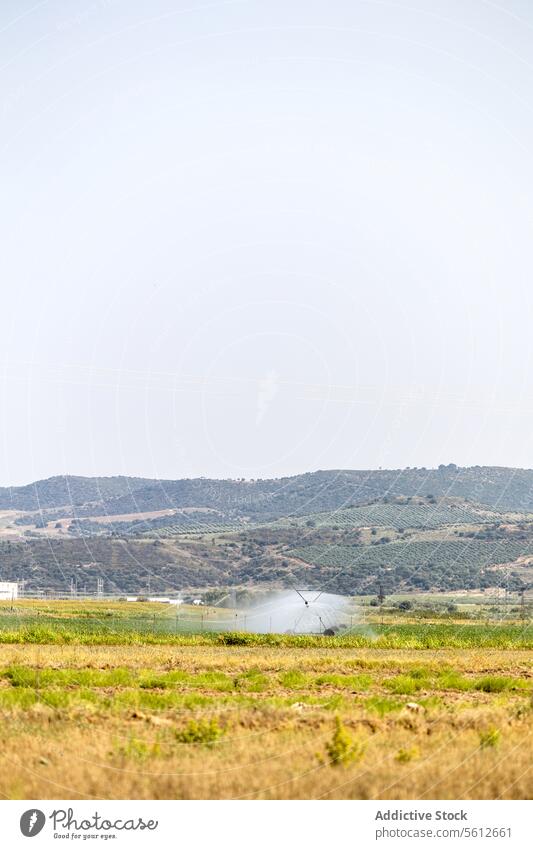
x,y
258,722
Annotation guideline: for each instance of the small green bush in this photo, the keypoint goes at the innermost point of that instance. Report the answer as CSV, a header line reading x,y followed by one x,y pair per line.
x,y
343,749
200,732
449,679
293,679
489,739
403,685
403,756
236,639
382,705
138,749
493,684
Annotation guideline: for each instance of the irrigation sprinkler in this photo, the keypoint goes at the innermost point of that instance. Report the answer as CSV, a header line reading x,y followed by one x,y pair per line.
x,y
309,603
305,601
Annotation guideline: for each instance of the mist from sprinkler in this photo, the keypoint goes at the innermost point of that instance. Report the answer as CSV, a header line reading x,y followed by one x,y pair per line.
x,y
299,612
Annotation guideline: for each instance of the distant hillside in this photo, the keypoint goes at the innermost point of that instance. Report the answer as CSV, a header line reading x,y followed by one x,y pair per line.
x,y
437,545
352,531
263,500
68,491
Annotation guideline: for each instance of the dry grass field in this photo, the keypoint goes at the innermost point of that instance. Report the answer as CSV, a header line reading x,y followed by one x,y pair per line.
x,y
268,722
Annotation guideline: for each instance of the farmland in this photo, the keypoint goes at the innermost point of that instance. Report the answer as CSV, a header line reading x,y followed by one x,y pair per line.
x,y
424,690
448,563
411,530
404,514
407,545
93,705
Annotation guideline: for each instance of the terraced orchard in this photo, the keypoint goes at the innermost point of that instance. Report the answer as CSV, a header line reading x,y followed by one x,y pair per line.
x,y
402,515
442,562
211,720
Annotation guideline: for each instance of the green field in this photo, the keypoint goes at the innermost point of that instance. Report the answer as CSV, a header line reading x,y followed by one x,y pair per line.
x,y
152,707
121,623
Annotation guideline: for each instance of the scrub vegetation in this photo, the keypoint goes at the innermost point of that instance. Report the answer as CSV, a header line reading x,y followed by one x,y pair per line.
x,y
418,710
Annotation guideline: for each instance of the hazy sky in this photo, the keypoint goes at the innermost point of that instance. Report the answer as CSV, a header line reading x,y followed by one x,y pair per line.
x,y
248,239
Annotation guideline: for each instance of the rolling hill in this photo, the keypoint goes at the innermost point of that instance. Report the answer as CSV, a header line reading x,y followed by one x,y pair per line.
x,y
314,492
413,529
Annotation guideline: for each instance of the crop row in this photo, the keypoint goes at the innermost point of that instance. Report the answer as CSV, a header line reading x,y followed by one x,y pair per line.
x,y
403,636
467,552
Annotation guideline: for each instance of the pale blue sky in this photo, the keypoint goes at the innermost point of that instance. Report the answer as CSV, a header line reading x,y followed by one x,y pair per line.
x,y
258,238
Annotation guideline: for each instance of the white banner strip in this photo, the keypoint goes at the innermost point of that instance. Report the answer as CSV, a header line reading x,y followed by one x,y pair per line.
x,y
267,825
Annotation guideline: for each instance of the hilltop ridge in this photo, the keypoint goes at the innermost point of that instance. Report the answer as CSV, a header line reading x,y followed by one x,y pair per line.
x,y
312,492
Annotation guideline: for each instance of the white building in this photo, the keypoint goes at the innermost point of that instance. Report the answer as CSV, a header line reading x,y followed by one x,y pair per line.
x,y
160,599
165,599
9,590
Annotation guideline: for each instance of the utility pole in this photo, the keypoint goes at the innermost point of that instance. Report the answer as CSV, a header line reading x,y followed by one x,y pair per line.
x,y
506,593
522,594
381,599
